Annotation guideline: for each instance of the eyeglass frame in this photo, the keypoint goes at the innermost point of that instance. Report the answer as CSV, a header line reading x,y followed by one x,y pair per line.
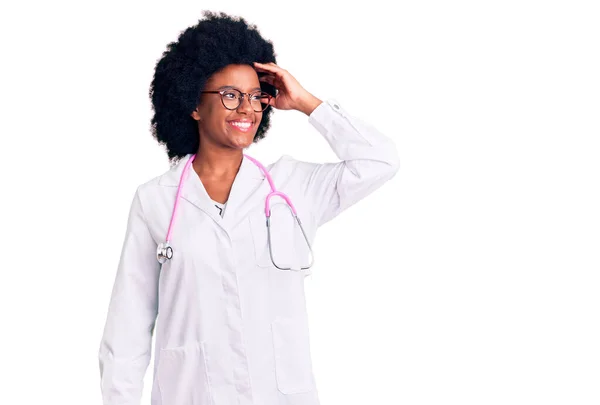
x,y
221,92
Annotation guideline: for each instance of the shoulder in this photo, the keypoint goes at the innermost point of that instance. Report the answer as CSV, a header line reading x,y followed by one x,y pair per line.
x,y
288,165
292,175
165,180
157,187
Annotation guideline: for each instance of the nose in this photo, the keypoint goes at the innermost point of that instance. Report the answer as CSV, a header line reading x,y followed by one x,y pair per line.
x,y
246,106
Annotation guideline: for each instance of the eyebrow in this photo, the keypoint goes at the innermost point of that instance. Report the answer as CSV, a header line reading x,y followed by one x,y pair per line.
x,y
233,87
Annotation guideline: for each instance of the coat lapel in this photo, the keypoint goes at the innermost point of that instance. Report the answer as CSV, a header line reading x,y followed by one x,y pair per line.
x,y
249,188
192,190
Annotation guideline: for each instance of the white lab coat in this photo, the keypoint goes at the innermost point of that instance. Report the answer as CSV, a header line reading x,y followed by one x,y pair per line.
x,y
231,329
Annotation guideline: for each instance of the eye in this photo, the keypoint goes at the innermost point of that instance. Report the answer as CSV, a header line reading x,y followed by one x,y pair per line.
x,y
260,95
231,95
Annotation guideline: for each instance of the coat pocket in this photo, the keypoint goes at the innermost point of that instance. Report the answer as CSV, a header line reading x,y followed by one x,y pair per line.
x,y
293,365
182,376
289,247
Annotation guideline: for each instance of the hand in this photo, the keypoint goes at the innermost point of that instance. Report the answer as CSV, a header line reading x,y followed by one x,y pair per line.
x,y
290,94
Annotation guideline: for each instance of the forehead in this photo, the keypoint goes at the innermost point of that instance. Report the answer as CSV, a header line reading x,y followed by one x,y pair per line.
x,y
244,77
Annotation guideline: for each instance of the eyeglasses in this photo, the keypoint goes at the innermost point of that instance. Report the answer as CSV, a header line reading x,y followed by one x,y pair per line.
x,y
232,99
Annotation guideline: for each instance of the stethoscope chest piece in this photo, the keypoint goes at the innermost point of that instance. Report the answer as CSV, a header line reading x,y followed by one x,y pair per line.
x,y
164,252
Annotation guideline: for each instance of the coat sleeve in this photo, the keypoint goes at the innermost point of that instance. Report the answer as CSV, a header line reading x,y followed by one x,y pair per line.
x,y
368,160
125,348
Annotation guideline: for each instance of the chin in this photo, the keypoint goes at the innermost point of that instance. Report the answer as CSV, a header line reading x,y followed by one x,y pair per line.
x,y
240,144
242,141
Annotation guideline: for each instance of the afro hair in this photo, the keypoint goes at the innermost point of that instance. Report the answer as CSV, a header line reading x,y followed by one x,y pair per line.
x,y
214,42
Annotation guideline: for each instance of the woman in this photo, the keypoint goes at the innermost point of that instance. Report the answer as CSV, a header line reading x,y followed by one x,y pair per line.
x,y
231,325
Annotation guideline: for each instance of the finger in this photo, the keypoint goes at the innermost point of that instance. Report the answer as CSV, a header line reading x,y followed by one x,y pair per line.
x,y
265,72
269,67
267,79
262,66
265,64
276,67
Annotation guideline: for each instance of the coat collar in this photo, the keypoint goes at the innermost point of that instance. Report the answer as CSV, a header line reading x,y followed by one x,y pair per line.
x,y
249,187
171,178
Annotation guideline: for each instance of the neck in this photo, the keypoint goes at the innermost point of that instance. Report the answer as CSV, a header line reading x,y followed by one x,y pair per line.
x,y
219,163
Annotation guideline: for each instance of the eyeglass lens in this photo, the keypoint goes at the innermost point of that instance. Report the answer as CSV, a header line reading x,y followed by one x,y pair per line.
x,y
233,98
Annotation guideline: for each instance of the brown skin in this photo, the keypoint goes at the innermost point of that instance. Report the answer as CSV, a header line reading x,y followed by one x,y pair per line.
x,y
219,155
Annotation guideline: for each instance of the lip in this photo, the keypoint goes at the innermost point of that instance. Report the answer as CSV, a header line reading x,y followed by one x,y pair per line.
x,y
243,121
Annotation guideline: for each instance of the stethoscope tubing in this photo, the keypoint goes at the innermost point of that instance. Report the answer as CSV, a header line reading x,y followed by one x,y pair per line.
x,y
164,250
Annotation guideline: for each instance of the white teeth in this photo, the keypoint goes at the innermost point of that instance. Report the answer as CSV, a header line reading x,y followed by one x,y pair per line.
x,y
240,124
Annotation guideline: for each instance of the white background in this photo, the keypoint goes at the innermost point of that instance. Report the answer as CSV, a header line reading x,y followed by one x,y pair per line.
x,y
472,277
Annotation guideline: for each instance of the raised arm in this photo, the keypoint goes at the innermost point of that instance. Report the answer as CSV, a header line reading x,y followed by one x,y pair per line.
x,y
368,158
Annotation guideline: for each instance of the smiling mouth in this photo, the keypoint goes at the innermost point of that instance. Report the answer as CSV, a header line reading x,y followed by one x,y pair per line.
x,y
242,126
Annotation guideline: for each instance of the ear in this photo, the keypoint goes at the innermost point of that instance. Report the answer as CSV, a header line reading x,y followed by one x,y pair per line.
x,y
195,115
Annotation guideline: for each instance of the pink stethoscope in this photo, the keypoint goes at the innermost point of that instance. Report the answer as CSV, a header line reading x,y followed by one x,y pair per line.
x,y
164,251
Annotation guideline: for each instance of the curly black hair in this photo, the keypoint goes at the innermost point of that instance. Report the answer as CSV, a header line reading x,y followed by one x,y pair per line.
x,y
214,42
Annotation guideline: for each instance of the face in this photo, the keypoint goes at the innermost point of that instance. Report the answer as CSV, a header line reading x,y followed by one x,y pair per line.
x,y
225,128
